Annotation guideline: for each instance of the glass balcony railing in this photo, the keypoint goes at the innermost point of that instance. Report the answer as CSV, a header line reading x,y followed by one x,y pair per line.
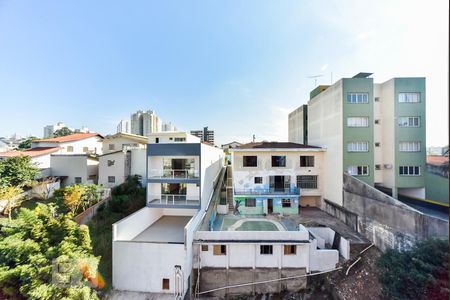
x,y
271,191
172,199
174,173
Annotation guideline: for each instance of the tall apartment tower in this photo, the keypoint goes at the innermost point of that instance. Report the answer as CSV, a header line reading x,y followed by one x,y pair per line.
x,y
205,135
136,123
374,132
145,123
168,126
124,126
50,129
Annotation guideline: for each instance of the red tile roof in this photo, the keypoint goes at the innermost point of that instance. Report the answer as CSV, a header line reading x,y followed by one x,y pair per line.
x,y
69,138
437,160
38,151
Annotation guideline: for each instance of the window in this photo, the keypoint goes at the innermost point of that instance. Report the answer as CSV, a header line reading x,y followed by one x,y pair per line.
x,y
204,247
111,162
111,179
377,121
111,146
377,144
286,203
306,161
409,147
409,121
220,250
408,97
358,170
266,249
69,148
250,161
409,170
258,179
92,177
307,181
358,97
290,249
85,149
278,161
165,284
77,180
358,122
377,167
250,202
178,139
358,147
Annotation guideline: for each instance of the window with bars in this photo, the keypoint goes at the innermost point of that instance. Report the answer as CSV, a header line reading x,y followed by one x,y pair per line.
x,y
307,181
286,203
409,121
278,161
409,171
249,161
408,97
358,147
266,249
250,202
258,180
358,98
306,161
409,147
358,121
358,170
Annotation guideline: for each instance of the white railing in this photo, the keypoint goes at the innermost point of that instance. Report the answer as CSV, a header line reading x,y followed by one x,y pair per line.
x,y
172,199
173,173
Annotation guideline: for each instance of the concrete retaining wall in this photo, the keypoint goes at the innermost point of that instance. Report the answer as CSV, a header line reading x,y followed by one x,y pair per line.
x,y
212,278
385,221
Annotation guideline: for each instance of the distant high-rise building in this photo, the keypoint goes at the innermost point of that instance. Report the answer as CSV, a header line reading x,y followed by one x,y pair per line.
x,y
205,135
124,126
168,127
136,123
144,123
50,129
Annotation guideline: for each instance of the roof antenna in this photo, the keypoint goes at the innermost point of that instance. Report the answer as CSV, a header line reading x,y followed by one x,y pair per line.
x,y
315,78
254,138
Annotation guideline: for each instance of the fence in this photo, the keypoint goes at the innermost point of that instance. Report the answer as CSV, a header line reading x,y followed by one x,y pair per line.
x,y
90,212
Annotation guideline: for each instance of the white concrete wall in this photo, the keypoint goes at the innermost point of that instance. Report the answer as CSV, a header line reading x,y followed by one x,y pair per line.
x,y
138,163
253,235
244,177
212,160
71,166
41,161
169,137
325,128
129,227
295,126
94,144
118,169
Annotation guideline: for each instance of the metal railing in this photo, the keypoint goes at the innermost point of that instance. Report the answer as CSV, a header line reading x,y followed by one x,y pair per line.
x,y
173,173
271,191
173,199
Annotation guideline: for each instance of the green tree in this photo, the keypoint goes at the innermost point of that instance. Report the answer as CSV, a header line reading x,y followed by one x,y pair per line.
x,y
12,195
73,197
17,171
26,144
62,132
418,273
39,250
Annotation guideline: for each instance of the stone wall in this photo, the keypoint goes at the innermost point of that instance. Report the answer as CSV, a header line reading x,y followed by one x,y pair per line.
x,y
385,221
213,278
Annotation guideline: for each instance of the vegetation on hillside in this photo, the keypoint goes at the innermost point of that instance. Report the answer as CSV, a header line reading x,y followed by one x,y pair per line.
x,y
126,199
418,273
41,252
17,171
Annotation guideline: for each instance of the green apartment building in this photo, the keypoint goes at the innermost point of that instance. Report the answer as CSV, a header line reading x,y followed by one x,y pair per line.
x,y
375,132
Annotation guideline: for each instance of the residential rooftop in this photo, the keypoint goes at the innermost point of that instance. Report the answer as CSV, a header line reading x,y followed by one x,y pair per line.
x,y
69,138
276,145
437,160
33,152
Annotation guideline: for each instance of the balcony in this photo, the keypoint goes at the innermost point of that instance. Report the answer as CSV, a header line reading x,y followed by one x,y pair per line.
x,y
271,191
173,174
173,200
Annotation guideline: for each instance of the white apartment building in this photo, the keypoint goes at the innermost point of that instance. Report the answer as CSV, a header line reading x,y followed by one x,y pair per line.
x,y
74,168
155,243
275,177
168,126
124,126
77,143
145,122
50,129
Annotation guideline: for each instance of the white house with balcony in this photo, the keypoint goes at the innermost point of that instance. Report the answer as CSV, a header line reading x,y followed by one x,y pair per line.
x,y
276,177
152,248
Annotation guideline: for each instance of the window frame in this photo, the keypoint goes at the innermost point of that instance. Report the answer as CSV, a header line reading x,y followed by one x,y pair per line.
x,y
408,119
266,249
291,250
285,204
359,145
278,158
409,146
166,284
312,183
113,179
259,179
245,163
219,249
78,180
405,100
402,169
356,124
358,168
247,200
308,161
354,97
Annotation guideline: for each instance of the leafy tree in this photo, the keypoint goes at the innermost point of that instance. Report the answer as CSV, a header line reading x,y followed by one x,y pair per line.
x,y
12,195
26,144
418,273
39,250
73,197
17,171
62,132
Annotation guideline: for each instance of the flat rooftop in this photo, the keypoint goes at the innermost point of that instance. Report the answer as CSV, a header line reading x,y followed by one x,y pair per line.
x,y
252,223
168,229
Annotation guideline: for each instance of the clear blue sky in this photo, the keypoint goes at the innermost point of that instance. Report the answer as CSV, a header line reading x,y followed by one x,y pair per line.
x,y
237,66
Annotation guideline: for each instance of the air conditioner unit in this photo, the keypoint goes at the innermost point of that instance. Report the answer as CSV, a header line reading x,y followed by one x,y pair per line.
x,y
387,166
